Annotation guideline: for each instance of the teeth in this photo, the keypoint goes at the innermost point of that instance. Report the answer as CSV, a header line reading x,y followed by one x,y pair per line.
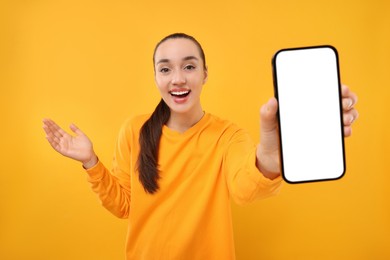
x,y
179,93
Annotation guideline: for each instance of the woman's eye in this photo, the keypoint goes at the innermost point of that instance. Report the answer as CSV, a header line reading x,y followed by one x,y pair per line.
x,y
164,70
189,67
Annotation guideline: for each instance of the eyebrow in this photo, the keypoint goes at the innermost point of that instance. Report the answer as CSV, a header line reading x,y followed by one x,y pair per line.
x,y
184,59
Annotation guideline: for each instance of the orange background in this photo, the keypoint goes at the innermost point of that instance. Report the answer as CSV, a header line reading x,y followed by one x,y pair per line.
x,y
90,62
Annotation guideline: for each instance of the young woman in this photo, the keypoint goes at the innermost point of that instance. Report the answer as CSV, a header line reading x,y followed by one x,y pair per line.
x,y
175,171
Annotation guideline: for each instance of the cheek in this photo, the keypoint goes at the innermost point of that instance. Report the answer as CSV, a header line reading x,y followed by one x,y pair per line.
x,y
198,82
160,83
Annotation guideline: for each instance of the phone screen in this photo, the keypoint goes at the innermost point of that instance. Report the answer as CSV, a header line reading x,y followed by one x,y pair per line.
x,y
308,90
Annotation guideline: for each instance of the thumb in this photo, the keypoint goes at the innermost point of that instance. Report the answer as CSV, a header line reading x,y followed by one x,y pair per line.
x,y
75,129
268,118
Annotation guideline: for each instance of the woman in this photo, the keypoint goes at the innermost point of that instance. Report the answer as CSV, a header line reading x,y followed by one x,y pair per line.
x,y
175,171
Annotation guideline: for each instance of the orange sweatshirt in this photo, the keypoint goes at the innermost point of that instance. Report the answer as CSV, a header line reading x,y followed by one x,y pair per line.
x,y
190,216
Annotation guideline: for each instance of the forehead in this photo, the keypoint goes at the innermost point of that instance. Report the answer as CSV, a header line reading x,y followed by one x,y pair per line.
x,y
176,49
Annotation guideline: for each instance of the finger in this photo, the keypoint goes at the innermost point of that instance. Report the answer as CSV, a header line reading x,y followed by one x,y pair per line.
x,y
55,128
49,133
53,141
268,115
347,103
46,126
348,120
344,90
347,131
57,133
354,98
349,117
46,129
50,123
76,130
346,93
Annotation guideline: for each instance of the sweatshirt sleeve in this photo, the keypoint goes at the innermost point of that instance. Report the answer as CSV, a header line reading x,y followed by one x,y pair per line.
x,y
244,180
113,187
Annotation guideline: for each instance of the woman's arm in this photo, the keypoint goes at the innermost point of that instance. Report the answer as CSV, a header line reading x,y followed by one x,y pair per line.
x,y
113,188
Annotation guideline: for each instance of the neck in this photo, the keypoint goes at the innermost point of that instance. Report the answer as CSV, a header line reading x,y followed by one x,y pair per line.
x,y
181,122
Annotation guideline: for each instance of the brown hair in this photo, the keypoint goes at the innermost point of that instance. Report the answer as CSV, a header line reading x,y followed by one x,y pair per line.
x,y
150,133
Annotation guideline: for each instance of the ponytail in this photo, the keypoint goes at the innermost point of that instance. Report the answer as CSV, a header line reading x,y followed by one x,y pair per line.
x,y
149,140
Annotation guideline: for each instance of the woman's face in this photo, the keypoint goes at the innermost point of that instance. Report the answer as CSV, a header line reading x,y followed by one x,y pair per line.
x,y
180,75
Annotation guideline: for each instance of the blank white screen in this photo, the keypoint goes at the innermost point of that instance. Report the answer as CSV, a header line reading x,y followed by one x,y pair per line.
x,y
309,113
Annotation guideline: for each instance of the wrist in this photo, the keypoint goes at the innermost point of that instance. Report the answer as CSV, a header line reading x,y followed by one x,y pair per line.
x,y
91,162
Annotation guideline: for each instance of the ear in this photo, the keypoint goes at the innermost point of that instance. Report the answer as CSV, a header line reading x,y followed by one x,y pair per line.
x,y
155,78
206,75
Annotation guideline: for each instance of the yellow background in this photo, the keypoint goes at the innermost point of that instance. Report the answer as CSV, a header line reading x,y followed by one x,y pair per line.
x,y
90,62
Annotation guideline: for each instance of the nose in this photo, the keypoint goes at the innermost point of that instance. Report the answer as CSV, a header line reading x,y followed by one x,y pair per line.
x,y
178,78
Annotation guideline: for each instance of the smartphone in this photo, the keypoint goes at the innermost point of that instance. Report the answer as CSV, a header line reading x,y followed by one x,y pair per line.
x,y
307,87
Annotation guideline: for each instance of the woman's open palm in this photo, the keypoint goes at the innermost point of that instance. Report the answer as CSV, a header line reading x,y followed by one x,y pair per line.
x,y
77,147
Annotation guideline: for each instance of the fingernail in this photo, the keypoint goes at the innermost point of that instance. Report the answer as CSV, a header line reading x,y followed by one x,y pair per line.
x,y
350,103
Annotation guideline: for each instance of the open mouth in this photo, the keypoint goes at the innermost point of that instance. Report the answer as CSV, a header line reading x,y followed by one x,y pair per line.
x,y
180,94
